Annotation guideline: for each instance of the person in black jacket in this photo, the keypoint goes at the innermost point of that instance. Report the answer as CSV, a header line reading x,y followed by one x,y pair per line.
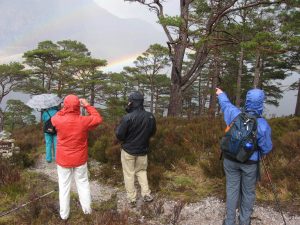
x,y
134,132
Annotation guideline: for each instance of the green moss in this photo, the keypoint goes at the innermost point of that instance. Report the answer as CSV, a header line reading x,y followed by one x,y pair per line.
x,y
189,188
183,181
13,191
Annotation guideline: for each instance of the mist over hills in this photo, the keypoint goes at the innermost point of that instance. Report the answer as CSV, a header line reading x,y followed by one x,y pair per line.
x,y
25,23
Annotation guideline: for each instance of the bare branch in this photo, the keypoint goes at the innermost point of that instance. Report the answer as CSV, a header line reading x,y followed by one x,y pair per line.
x,y
159,10
162,15
229,34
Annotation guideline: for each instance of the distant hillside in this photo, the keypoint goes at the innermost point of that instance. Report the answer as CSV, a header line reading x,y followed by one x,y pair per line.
x,y
25,23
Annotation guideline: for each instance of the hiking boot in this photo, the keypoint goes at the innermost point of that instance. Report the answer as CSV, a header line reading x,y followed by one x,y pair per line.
x,y
148,198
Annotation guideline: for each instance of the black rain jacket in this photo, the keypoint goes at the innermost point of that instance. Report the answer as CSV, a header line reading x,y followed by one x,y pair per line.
x,y
135,130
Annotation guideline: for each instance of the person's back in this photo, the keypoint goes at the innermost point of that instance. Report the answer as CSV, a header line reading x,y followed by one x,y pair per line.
x,y
136,128
254,105
241,177
48,113
72,151
134,132
141,126
50,138
72,132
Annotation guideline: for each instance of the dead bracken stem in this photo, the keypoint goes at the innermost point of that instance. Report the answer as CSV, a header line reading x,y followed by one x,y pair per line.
x,y
176,212
158,208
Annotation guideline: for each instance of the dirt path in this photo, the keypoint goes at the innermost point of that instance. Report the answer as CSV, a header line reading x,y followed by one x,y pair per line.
x,y
209,211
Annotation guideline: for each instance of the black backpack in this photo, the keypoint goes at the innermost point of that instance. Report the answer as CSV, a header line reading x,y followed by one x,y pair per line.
x,y
240,140
48,126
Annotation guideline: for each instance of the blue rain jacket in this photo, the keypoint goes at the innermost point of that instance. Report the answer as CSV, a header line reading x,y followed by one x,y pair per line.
x,y
51,111
254,105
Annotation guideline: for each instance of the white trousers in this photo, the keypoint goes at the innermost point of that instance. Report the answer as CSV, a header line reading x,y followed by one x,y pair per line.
x,y
80,174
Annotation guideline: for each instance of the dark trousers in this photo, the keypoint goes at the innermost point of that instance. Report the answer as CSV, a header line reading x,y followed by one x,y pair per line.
x,y
240,191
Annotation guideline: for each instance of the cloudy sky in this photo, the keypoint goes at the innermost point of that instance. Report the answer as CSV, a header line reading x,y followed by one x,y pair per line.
x,y
135,10
117,53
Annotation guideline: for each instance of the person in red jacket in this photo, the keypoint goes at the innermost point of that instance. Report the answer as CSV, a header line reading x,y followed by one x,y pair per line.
x,y
72,151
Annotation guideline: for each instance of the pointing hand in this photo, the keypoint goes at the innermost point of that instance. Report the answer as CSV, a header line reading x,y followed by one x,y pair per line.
x,y
218,91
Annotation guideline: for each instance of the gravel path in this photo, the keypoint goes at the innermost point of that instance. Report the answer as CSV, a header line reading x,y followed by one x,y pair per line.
x,y
209,211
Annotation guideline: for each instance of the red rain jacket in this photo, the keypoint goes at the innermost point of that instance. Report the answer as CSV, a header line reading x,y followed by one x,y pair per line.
x,y
72,132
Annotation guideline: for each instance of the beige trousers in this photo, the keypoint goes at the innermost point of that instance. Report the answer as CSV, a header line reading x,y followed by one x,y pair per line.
x,y
135,166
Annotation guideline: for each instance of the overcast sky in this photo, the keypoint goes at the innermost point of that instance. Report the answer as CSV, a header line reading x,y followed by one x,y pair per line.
x,y
127,10
136,10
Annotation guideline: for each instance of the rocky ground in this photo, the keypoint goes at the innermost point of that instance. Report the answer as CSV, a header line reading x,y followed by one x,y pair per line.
x,y
209,211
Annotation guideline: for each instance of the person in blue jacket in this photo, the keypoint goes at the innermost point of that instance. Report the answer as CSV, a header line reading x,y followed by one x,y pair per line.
x,y
241,177
50,139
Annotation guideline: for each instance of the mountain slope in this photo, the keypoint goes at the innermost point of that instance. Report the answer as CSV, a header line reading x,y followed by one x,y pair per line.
x,y
25,23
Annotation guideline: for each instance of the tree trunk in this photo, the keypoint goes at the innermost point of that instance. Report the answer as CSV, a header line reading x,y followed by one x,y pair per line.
x,y
175,105
151,97
239,78
59,88
156,102
92,101
257,69
213,96
261,73
204,97
297,110
214,83
199,97
1,120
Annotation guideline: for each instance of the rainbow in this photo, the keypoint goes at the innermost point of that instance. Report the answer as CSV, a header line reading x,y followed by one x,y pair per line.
x,y
7,55
118,64
113,66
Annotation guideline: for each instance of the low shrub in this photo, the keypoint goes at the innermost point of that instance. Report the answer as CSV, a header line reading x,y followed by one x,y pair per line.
x,y
9,174
98,150
29,139
104,146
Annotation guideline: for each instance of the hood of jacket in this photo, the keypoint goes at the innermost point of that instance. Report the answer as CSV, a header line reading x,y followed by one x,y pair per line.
x,y
71,105
135,104
255,101
136,100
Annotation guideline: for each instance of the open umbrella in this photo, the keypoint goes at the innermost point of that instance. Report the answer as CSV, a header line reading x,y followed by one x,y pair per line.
x,y
44,101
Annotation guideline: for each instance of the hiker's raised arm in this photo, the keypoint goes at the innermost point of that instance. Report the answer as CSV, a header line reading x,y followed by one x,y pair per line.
x,y
230,111
94,119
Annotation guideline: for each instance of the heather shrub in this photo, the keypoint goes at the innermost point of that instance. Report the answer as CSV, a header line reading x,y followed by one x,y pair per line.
x,y
193,141
212,165
196,142
108,173
9,174
29,139
104,145
98,150
155,175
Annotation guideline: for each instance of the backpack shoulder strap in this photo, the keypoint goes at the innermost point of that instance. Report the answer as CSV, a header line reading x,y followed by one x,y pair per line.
x,y
232,122
49,114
